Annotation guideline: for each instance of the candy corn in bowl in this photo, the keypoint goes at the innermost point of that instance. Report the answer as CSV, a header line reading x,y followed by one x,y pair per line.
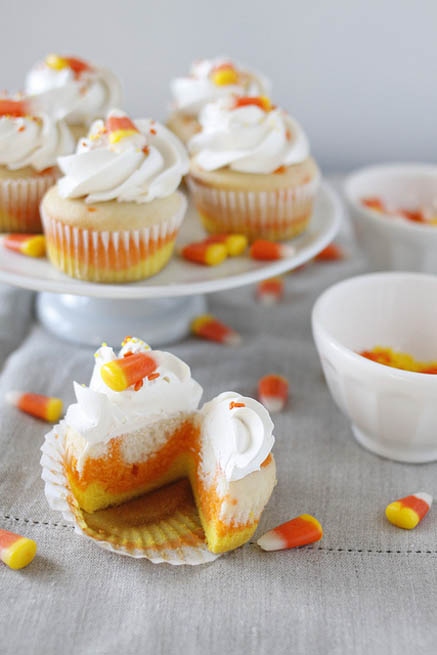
x,y
377,343
251,171
115,214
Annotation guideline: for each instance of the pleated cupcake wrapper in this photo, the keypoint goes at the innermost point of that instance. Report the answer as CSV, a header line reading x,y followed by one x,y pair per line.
x,y
20,200
111,255
279,214
191,549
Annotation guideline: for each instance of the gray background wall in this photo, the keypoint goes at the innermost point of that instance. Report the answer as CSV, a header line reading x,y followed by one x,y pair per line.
x,y
360,75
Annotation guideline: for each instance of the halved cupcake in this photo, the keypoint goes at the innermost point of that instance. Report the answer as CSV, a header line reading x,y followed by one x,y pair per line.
x,y
251,171
30,143
115,215
207,81
135,429
73,89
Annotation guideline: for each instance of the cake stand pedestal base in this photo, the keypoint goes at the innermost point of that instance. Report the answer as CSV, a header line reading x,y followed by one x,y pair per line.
x,y
92,320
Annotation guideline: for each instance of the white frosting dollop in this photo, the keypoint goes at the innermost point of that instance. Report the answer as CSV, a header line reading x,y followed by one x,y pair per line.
x,y
147,162
241,436
101,413
77,97
247,138
192,93
35,141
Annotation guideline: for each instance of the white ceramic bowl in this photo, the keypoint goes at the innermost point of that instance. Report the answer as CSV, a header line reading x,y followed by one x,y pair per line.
x,y
393,412
391,243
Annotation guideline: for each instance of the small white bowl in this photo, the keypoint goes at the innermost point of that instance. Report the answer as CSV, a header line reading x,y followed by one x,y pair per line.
x,y
393,412
395,243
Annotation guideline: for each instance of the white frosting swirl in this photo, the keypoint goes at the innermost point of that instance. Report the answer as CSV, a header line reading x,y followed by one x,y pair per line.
x,y
101,413
247,138
192,93
241,436
147,163
79,98
35,141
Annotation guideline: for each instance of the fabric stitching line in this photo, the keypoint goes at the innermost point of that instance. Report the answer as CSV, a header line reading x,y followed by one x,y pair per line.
x,y
32,521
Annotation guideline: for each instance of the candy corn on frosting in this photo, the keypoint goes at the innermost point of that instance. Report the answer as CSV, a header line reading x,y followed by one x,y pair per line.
x,y
137,427
115,214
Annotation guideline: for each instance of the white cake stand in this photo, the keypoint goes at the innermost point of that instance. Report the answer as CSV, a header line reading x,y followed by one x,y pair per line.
x,y
161,308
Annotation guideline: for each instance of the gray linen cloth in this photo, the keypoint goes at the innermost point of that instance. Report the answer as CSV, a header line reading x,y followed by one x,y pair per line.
x,y
366,588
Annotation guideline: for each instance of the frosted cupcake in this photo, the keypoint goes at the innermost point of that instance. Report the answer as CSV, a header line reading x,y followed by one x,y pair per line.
x,y
251,171
115,214
30,143
209,80
73,89
136,428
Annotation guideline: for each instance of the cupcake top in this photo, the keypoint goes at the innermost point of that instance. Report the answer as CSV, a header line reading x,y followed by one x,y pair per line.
x,y
102,413
239,431
125,161
210,79
249,135
71,88
31,138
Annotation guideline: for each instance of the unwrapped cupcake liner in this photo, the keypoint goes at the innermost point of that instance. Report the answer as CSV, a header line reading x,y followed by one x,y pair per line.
x,y
174,539
20,200
276,215
111,255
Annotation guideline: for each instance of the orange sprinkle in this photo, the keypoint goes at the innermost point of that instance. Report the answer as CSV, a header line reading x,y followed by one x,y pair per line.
x,y
92,209
152,130
233,404
138,385
146,150
153,376
22,128
280,169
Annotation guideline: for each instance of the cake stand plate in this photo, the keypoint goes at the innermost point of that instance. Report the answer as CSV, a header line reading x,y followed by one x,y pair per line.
x,y
159,309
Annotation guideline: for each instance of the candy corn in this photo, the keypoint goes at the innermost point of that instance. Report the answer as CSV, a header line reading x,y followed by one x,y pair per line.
x,y
127,371
209,327
235,244
32,245
16,551
208,254
269,292
47,408
273,392
120,127
302,530
409,511
331,253
224,74
270,250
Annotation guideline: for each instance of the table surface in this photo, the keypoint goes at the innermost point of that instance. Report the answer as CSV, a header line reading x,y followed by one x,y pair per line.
x,y
366,588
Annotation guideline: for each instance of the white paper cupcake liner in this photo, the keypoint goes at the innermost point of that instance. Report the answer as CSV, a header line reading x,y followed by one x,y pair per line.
x,y
111,255
276,215
20,200
60,498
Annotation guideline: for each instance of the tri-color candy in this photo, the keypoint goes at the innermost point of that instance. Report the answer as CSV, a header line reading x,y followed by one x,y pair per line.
x,y
32,245
209,327
273,392
47,408
208,254
120,374
303,530
16,551
409,511
235,244
270,250
269,292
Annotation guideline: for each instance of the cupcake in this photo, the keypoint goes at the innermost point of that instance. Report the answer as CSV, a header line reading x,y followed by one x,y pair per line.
x,y
251,171
30,143
115,214
209,80
73,89
119,442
